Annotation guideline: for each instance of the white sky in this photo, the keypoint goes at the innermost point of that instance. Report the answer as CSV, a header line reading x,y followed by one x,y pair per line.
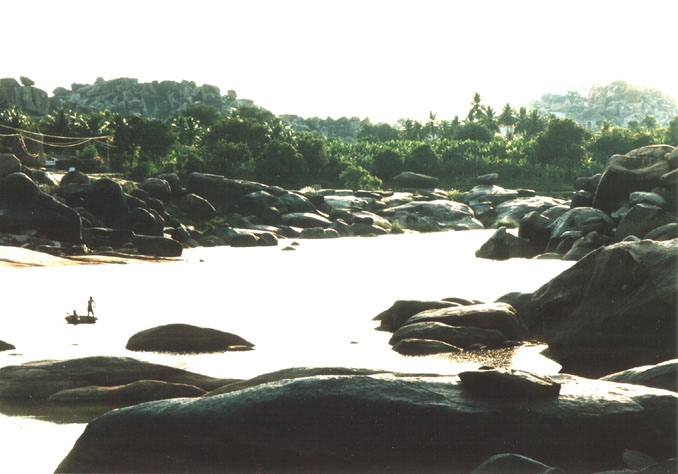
x,y
368,58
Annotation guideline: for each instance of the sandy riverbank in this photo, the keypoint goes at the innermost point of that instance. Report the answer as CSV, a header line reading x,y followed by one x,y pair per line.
x,y
17,257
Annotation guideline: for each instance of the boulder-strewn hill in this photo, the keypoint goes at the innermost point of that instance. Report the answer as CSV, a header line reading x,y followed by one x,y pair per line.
x,y
151,99
30,99
618,102
344,128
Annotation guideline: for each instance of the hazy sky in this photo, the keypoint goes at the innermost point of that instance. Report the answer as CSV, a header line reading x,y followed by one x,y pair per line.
x,y
370,58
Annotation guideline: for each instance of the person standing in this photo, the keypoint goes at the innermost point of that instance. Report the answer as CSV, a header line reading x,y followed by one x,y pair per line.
x,y
90,306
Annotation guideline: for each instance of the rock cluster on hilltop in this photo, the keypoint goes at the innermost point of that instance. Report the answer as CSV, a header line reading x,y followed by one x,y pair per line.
x,y
30,99
151,99
618,102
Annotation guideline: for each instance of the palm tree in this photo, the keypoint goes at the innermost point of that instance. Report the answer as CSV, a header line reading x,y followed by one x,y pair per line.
x,y
476,109
521,122
508,119
430,129
488,120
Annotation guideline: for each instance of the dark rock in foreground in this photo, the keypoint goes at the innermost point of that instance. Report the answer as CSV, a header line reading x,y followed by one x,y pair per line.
x,y
378,424
507,463
135,392
395,316
614,309
421,347
509,384
41,379
664,375
186,339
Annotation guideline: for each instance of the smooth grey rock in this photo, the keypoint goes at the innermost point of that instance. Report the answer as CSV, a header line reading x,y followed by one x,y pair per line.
x,y
663,375
185,338
514,463
413,424
128,394
503,245
641,219
509,384
422,347
459,336
394,317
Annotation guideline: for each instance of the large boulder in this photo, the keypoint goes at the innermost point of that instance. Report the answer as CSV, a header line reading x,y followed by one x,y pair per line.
x,y
580,219
380,423
409,179
489,193
198,207
157,188
185,338
305,220
23,206
104,198
614,309
6,346
460,336
515,209
157,246
263,205
641,219
514,463
128,394
499,316
9,164
663,375
421,347
41,379
394,317
638,170
503,245
443,213
219,189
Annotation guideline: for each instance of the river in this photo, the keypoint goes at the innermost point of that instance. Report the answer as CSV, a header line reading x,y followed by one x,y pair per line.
x,y
309,307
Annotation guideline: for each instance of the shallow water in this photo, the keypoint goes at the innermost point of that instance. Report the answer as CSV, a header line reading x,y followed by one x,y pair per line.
x,y
309,307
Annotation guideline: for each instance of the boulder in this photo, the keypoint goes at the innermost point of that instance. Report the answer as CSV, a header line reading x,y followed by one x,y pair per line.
x,y
95,237
198,207
459,336
408,179
366,230
640,220
219,189
509,384
489,193
9,164
640,197
638,170
41,379
665,232
412,424
157,246
503,245
585,244
422,347
588,183
262,205
514,463
443,213
104,198
580,219
663,375
295,202
581,199
290,374
184,338
5,346
128,394
515,209
142,221
157,188
536,228
23,206
614,309
74,177
499,316
305,220
395,316
318,233
173,180
490,178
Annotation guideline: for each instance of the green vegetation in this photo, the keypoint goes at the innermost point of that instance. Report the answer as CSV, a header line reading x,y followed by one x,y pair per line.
x,y
524,147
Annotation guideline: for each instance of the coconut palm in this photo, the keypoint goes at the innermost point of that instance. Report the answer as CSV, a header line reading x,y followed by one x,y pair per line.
x,y
508,119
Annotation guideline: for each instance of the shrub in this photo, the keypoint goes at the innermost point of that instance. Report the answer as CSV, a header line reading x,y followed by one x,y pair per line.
x,y
387,164
356,177
423,160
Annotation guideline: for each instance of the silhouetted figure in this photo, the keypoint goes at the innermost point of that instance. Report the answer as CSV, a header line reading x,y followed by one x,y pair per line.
x,y
90,306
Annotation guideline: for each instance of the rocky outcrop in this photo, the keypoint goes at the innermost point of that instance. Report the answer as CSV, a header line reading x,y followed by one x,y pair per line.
x,y
5,346
408,179
663,375
614,309
439,213
503,245
128,394
42,379
23,206
509,384
464,337
128,96
618,102
184,338
29,99
411,424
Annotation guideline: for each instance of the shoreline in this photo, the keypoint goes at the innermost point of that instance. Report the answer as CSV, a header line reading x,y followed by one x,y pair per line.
x,y
18,257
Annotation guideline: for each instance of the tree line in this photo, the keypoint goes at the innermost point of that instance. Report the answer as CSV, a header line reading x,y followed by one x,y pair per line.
x,y
253,143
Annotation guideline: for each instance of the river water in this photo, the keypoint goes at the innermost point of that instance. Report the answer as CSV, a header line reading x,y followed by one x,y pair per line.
x,y
309,307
